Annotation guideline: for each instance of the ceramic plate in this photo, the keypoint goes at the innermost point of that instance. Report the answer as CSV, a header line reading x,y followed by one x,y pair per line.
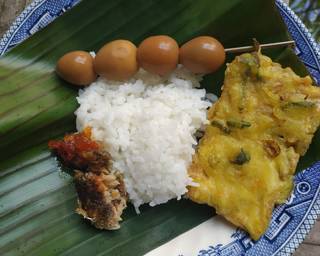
x,y
290,222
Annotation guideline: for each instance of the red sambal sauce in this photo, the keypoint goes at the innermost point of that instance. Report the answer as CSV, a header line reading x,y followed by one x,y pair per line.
x,y
75,148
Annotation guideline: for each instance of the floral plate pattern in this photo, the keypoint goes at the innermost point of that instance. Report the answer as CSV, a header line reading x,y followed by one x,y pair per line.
x,y
291,221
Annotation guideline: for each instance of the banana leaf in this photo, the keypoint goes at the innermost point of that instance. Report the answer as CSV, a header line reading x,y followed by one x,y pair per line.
x,y
37,199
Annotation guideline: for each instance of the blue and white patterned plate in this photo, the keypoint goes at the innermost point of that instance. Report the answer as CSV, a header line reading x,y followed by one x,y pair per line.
x,y
290,222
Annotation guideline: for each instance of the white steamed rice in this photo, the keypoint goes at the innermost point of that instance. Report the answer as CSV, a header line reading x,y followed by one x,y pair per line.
x,y
147,124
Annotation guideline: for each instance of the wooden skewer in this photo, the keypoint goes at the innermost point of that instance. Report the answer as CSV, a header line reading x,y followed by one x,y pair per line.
x,y
252,48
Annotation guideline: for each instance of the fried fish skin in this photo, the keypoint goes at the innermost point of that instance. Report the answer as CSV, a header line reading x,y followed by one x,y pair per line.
x,y
101,197
263,122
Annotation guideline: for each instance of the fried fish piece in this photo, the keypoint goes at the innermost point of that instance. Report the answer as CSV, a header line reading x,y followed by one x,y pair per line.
x,y
102,196
260,126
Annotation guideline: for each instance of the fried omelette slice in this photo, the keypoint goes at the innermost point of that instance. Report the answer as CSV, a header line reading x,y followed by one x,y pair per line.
x,y
102,196
263,122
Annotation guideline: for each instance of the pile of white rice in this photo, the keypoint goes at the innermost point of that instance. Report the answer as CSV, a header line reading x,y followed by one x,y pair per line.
x,y
147,124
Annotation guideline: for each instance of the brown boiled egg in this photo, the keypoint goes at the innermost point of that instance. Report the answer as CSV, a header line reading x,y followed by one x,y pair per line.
x,y
202,55
76,68
158,54
117,60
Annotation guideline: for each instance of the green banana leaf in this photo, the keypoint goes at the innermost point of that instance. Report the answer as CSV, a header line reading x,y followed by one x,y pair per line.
x,y
37,199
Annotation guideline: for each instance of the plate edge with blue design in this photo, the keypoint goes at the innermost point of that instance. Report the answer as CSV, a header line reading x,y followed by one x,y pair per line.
x,y
292,221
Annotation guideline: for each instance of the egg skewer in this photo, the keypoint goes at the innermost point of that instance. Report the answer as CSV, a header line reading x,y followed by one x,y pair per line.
x,y
120,59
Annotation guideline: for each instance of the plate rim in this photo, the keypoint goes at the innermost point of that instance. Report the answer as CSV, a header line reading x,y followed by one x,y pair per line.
x,y
309,40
